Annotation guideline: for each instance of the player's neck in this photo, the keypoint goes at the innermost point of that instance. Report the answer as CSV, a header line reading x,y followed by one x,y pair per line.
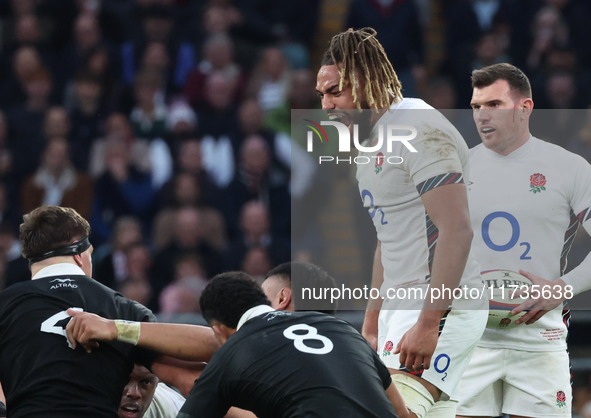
x,y
37,267
376,114
518,143
222,332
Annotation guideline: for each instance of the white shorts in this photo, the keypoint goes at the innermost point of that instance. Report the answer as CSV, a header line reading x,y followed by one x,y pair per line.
x,y
460,334
526,383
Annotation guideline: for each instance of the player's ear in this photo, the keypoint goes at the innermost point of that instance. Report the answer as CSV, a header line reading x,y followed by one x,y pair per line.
x,y
78,260
527,105
220,335
284,302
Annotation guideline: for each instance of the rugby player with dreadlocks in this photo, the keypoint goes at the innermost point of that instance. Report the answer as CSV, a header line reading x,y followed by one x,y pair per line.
x,y
416,196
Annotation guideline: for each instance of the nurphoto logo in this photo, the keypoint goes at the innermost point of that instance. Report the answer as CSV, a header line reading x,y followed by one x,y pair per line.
x,y
388,133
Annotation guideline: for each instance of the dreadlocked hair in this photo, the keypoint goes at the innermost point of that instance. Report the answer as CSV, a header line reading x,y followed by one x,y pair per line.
x,y
361,50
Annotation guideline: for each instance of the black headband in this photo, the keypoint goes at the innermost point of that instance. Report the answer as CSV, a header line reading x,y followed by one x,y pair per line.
x,y
73,249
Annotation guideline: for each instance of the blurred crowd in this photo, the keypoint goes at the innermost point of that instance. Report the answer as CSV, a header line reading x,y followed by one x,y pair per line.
x,y
166,123
151,119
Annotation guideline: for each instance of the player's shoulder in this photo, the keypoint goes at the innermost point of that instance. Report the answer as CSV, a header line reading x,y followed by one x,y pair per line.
x,y
477,151
267,322
321,322
320,317
305,316
131,310
101,298
166,400
425,118
412,103
275,322
14,295
22,292
16,289
557,154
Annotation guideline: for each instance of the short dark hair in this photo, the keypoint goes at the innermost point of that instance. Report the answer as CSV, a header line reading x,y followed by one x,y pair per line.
x,y
306,276
283,270
518,81
49,227
228,296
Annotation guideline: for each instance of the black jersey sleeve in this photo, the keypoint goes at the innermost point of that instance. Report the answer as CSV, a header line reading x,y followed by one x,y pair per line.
x,y
206,399
383,371
133,311
2,410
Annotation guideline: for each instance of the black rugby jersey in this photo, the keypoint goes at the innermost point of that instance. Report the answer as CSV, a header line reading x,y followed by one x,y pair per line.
x,y
40,374
285,364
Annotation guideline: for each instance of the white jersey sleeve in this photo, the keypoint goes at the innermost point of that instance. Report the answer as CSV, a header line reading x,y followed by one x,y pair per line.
x,y
437,153
580,277
166,403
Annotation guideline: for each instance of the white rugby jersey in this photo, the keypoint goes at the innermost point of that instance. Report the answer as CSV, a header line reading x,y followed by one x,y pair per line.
x,y
525,209
166,403
392,192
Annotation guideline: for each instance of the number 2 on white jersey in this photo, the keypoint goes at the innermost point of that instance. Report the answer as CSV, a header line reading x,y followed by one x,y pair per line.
x,y
372,213
311,334
49,325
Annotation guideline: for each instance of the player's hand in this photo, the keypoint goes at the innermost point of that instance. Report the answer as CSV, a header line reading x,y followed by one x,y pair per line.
x,y
87,329
539,306
417,346
369,329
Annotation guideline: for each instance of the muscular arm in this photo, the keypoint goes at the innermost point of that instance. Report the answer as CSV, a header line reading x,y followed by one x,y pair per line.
x,y
578,278
183,342
177,373
370,323
447,206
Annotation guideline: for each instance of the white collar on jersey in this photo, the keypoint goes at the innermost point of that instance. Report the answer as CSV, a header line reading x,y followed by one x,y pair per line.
x,y
252,312
524,149
60,269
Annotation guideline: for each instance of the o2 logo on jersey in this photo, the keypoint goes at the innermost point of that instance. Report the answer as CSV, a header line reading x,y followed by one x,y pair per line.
x,y
441,364
372,212
311,334
515,231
